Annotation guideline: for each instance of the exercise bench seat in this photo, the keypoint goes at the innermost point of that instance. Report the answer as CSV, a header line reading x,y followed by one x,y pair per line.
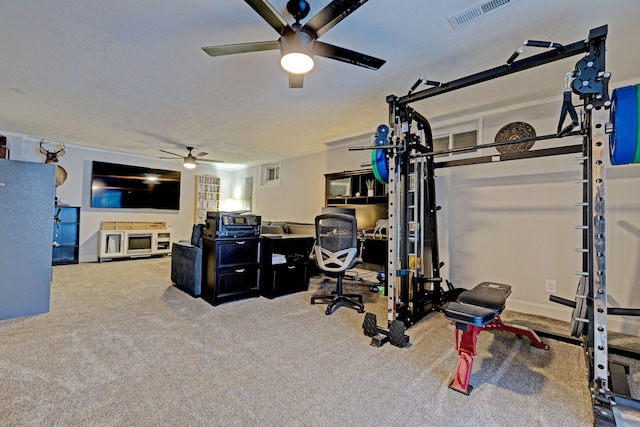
x,y
478,310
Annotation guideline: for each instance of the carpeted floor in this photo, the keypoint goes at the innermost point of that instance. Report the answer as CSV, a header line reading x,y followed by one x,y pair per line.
x,y
122,346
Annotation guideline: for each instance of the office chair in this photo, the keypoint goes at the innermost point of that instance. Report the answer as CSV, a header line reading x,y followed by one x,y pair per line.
x,y
334,253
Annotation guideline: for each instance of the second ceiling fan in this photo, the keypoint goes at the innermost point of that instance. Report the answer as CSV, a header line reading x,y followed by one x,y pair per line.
x,y
190,161
297,43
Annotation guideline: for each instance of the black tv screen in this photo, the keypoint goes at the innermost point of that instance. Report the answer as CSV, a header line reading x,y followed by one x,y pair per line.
x,y
134,187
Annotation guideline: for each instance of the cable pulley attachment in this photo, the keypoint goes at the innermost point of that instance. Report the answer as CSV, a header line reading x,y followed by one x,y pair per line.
x,y
567,109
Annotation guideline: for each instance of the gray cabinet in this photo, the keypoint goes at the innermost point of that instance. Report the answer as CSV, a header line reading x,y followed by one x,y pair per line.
x,y
27,197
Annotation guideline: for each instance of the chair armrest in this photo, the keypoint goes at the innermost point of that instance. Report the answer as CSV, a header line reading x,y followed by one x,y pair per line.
x,y
357,260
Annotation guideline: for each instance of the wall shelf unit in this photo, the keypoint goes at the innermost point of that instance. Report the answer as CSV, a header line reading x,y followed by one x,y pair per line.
x,y
349,190
207,196
350,187
133,239
66,235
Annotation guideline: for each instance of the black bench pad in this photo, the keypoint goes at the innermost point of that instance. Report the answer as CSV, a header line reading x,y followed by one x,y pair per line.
x,y
488,295
480,305
469,314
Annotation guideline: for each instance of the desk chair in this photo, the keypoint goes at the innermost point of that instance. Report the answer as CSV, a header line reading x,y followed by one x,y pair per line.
x,y
334,253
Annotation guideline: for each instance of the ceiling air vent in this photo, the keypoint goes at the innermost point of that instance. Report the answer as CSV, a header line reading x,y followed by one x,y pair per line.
x,y
476,11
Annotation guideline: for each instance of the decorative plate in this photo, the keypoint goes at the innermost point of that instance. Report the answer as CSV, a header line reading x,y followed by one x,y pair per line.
x,y
514,131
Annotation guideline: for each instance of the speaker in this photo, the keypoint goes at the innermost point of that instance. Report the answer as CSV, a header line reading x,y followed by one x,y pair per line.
x,y
4,150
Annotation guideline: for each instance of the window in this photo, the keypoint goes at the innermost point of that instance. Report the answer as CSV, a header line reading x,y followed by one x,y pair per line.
x,y
270,175
456,137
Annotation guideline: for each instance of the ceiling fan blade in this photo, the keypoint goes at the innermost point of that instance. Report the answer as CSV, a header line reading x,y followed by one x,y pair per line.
x,y
230,49
210,160
173,154
333,13
201,154
296,80
346,55
269,14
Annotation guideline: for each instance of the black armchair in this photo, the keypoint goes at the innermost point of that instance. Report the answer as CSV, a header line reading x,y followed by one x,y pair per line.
x,y
334,253
186,263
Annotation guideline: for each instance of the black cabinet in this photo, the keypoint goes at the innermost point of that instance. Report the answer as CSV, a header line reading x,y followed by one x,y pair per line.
x,y
230,269
66,235
285,265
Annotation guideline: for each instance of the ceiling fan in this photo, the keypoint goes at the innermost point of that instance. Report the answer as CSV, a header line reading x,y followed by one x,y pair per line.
x,y
297,43
191,161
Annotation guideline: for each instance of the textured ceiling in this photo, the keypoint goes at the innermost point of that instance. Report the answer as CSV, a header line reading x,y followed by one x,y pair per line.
x,y
131,75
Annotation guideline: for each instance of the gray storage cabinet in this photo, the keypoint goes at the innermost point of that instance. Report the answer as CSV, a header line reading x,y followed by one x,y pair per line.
x,y
27,198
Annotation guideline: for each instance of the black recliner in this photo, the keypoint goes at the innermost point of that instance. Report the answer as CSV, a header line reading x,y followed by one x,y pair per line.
x,y
335,252
186,263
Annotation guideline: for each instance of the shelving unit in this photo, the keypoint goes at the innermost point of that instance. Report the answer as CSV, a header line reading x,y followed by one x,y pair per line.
x,y
207,196
66,234
350,188
133,239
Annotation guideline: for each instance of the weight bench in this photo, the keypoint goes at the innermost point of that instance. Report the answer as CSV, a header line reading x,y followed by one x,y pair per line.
x,y
478,310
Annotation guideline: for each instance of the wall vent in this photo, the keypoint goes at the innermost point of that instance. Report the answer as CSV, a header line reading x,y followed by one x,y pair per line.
x,y
476,11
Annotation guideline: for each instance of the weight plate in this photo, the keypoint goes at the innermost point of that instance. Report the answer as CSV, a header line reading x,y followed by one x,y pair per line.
x,y
379,161
624,116
580,310
636,158
380,166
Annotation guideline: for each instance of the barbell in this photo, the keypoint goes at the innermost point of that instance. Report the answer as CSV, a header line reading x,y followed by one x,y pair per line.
x,y
623,129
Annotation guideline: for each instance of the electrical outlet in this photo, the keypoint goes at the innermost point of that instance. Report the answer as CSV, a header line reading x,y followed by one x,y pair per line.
x,y
550,286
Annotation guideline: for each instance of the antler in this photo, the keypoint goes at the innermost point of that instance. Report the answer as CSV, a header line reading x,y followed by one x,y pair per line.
x,y
52,156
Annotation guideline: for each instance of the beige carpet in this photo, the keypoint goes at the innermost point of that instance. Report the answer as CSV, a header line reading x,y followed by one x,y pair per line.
x,y
121,346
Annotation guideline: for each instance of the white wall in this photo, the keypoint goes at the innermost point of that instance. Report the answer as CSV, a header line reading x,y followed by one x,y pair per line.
x,y
514,222
76,191
300,195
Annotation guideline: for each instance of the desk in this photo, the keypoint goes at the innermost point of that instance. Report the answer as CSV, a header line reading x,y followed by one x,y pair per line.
x,y
374,251
289,273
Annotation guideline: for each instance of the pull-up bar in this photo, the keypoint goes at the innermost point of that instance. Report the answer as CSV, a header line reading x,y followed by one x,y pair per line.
x,y
559,52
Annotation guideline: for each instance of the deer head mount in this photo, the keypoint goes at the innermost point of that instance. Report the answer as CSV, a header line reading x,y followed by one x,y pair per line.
x,y
52,156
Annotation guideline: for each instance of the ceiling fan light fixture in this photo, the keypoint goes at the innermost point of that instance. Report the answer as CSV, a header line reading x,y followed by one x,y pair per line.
x,y
296,52
189,163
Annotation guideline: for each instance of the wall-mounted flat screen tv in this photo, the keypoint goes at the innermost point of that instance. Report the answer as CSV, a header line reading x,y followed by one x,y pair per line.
x,y
134,187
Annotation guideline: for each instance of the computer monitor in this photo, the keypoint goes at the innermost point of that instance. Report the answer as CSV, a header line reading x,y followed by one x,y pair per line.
x,y
346,211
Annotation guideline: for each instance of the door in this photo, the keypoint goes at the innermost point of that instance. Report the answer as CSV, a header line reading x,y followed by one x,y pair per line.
x,y
27,196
